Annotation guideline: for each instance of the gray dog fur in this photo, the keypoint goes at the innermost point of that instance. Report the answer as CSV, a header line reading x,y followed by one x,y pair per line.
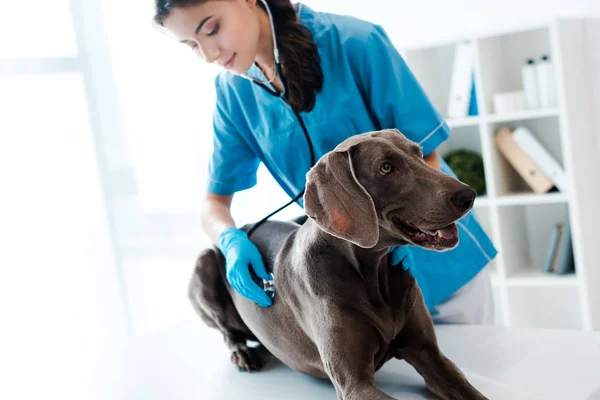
x,y
341,309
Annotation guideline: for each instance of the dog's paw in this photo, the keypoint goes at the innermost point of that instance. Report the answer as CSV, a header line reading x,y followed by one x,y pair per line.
x,y
247,359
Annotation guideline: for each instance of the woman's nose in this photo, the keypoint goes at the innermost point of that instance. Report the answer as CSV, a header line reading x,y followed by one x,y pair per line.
x,y
210,52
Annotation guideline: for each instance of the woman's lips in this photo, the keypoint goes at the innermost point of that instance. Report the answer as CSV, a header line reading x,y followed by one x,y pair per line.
x,y
229,63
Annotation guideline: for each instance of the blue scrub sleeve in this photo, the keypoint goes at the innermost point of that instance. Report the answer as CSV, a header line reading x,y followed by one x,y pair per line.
x,y
233,165
395,96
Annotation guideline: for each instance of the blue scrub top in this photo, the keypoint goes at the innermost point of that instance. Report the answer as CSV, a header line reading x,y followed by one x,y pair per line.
x,y
367,86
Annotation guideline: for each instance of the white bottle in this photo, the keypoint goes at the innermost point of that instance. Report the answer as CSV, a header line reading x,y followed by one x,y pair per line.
x,y
529,76
546,83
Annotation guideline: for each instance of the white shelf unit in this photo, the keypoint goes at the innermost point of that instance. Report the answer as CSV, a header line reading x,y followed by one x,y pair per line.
x,y
518,220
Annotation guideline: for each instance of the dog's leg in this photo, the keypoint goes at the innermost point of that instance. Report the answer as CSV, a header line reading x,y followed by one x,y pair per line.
x,y
213,303
417,344
348,361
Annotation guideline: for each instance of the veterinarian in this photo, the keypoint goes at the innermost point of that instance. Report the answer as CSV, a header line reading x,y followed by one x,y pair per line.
x,y
296,83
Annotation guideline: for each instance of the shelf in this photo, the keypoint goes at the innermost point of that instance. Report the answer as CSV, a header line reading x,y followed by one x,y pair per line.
x,y
464,137
524,115
526,231
523,199
516,116
520,222
502,57
482,201
460,122
534,277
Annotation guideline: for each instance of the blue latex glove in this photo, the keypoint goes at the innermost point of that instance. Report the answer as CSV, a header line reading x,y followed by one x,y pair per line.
x,y
241,254
403,254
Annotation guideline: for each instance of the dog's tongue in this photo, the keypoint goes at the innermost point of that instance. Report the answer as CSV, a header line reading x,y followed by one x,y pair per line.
x,y
449,232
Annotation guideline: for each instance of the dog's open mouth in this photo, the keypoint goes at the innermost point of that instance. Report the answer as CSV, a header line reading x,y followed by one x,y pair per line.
x,y
444,237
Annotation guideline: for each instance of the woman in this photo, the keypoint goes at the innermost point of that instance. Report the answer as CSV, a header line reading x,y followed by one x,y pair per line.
x,y
295,76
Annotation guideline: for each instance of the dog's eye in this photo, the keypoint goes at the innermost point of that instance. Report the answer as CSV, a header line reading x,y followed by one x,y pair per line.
x,y
386,168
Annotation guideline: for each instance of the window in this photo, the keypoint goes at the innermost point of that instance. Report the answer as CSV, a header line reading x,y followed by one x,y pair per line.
x,y
37,29
165,97
59,272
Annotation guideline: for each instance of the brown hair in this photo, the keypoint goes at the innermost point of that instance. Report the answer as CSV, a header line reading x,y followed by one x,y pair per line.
x,y
300,61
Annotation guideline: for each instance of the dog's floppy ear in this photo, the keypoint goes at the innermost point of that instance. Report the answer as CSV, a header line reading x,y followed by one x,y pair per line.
x,y
338,203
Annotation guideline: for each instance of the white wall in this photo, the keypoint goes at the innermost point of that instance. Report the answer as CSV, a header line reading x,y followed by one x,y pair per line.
x,y
593,35
415,22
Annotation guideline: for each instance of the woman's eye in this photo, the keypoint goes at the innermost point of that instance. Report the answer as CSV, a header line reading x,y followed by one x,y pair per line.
x,y
386,168
214,31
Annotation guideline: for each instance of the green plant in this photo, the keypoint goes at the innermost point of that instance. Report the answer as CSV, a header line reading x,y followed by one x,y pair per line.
x,y
468,167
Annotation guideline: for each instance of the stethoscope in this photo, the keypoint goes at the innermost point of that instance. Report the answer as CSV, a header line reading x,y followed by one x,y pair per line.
x,y
281,95
268,285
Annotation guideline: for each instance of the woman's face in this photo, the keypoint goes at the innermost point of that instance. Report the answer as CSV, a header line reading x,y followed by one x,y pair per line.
x,y
225,32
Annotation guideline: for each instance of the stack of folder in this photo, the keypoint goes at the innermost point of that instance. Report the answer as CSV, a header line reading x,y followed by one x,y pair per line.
x,y
530,159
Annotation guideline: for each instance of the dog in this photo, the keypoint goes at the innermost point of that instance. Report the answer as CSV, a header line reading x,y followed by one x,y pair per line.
x,y
341,309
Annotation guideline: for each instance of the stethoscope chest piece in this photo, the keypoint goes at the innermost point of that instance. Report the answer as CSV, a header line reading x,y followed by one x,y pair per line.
x,y
268,285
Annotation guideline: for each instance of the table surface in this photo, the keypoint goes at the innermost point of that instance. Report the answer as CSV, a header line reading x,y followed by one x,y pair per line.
x,y
190,361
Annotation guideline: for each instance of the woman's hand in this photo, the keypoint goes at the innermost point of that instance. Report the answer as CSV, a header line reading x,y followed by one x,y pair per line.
x,y
241,254
433,160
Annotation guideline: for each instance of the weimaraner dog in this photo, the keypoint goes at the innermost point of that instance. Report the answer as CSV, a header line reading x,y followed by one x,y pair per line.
x,y
341,310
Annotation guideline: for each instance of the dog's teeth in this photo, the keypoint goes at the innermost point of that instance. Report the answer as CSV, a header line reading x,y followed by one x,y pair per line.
x,y
439,233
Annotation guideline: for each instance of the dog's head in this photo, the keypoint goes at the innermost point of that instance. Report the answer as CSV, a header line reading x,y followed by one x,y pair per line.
x,y
376,188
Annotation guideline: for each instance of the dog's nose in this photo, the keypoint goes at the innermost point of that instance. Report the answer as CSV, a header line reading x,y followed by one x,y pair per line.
x,y
463,199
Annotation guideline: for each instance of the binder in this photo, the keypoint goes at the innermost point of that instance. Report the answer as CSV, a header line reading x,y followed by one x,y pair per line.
x,y
565,262
461,82
521,162
552,252
549,166
473,106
